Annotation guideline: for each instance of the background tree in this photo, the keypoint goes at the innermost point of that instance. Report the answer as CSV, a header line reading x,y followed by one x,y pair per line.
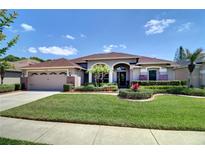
x,y
99,71
180,54
193,57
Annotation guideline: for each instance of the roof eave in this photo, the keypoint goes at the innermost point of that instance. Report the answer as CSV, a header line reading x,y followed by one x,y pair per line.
x,y
55,67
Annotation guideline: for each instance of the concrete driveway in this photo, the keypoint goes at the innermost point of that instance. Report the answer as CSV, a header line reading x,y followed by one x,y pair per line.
x,y
15,99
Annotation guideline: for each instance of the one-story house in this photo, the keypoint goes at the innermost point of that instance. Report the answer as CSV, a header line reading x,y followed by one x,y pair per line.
x,y
124,68
13,75
198,75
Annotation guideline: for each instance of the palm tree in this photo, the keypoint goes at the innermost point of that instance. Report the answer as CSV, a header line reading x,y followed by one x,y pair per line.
x,y
192,58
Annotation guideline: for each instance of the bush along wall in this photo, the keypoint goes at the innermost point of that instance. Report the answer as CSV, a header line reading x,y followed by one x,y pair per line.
x,y
68,87
182,90
91,87
7,88
158,83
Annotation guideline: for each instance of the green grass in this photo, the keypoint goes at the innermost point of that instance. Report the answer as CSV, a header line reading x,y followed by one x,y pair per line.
x,y
165,112
6,141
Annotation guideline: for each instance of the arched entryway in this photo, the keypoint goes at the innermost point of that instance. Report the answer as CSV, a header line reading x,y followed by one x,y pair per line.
x,y
121,74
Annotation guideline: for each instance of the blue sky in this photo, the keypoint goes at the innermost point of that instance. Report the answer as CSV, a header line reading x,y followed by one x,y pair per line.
x,y
51,34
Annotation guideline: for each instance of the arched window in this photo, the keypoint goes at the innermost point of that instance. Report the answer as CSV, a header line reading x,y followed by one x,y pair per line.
x,y
43,73
34,74
63,73
53,73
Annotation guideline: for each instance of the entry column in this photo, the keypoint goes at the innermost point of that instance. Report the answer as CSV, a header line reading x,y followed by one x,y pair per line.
x,y
90,77
111,76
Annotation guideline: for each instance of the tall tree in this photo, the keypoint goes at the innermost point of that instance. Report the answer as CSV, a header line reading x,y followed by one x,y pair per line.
x,y
193,57
6,19
180,54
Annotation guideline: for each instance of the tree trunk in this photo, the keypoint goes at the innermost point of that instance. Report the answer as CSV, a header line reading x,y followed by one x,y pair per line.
x,y
190,80
191,68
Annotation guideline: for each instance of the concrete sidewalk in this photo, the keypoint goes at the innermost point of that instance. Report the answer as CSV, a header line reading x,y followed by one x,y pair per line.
x,y
68,133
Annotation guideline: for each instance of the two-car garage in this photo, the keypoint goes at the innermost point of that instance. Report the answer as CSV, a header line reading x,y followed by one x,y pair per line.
x,y
51,75
46,81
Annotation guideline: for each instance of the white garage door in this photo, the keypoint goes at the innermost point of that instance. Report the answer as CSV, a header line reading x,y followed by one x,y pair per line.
x,y
46,81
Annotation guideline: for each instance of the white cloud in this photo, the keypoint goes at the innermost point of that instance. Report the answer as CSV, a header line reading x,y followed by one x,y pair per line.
x,y
27,27
83,36
55,50
108,48
185,27
70,37
157,26
32,50
123,46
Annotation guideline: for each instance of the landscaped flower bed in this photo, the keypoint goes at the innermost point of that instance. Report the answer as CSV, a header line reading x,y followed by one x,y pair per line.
x,y
140,94
145,92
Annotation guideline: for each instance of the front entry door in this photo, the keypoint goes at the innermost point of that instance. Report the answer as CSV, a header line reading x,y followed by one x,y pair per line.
x,y
152,75
121,79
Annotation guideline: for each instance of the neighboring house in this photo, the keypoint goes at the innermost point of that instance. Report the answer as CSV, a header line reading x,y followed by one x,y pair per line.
x,y
124,68
198,76
13,75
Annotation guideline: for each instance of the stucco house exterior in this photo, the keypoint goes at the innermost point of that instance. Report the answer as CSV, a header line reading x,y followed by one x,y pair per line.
x,y
124,68
198,75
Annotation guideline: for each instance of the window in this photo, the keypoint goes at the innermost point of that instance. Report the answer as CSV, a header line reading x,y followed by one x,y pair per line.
x,y
52,73
121,68
63,73
34,74
43,73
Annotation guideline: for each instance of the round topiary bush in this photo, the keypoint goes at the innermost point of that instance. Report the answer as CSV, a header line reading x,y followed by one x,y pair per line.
x,y
139,94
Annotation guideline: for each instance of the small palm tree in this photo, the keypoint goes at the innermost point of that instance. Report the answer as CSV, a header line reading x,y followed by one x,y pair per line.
x,y
193,57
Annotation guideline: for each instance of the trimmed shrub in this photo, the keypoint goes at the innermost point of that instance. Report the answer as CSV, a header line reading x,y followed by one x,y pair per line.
x,y
140,94
187,91
160,89
183,90
17,86
67,87
85,88
158,83
93,88
184,82
7,88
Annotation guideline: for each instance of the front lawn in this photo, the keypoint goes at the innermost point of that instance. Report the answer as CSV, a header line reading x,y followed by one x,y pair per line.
x,y
165,112
6,141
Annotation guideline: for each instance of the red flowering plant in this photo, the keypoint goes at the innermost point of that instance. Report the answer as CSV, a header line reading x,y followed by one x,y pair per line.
x,y
135,86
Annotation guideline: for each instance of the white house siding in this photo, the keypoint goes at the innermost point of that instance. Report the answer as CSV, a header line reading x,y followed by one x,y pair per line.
x,y
171,74
110,63
11,80
137,71
202,75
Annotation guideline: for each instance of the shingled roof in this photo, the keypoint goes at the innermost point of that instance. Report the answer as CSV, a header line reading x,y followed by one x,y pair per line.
x,y
55,63
104,56
118,55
